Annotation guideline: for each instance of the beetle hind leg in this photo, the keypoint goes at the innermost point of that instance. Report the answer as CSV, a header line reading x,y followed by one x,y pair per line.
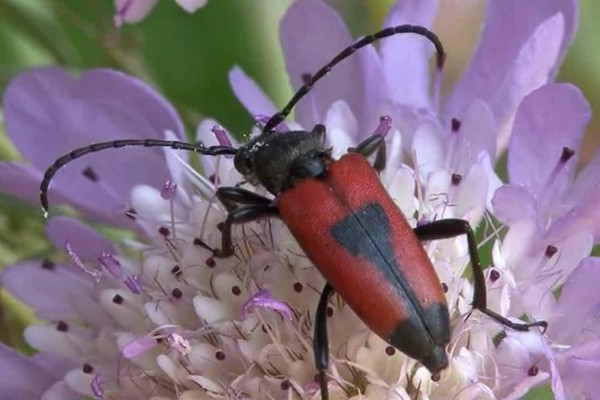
x,y
449,228
321,341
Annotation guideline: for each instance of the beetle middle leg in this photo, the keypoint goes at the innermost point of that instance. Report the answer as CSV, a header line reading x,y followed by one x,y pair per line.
x,y
321,341
242,206
449,228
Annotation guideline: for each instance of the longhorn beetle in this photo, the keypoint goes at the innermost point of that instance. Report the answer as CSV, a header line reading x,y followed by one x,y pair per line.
x,y
347,224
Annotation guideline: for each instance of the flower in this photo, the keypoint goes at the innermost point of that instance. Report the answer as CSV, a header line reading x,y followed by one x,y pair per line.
x,y
133,11
159,317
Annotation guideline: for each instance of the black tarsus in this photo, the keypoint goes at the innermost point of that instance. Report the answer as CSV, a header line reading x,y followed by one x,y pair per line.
x,y
278,118
452,227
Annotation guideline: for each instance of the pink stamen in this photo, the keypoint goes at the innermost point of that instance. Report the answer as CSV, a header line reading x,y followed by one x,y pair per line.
x,y
138,346
221,136
92,273
97,387
115,269
263,119
385,124
180,344
263,299
167,192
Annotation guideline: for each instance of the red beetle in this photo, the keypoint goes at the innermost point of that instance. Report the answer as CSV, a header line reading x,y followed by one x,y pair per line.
x,y
347,224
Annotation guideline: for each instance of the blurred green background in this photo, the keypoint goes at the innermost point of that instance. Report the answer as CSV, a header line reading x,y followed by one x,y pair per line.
x,y
188,57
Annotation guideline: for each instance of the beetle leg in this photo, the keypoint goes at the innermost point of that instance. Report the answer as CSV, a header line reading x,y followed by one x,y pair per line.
x,y
372,144
254,207
320,340
448,228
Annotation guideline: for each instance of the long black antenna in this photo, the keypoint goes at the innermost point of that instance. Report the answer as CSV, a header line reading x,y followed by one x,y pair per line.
x,y
115,144
277,118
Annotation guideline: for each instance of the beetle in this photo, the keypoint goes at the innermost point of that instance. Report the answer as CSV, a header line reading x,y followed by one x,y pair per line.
x,y
346,223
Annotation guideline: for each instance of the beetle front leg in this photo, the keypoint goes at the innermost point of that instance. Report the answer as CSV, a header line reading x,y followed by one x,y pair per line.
x,y
449,228
321,341
254,207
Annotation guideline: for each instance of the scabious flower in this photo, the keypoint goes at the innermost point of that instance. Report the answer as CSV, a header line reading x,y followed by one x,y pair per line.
x,y
133,11
159,317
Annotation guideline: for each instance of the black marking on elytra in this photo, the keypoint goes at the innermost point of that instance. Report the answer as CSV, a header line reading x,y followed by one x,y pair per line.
x,y
367,233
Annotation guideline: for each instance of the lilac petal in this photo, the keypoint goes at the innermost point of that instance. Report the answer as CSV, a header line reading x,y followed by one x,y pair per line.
x,y
578,302
131,11
248,93
55,292
302,32
580,370
21,181
478,133
49,113
61,391
84,240
586,181
406,58
191,5
549,119
512,203
509,25
22,377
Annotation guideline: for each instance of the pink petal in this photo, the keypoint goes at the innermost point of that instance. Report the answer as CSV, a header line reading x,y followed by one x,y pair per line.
x,y
512,203
311,34
406,57
508,26
549,119
248,93
48,113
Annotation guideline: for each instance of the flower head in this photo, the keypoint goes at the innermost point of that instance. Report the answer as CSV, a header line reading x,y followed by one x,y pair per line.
x,y
161,317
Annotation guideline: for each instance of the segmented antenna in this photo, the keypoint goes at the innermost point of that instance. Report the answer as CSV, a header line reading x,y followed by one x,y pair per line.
x,y
277,118
115,144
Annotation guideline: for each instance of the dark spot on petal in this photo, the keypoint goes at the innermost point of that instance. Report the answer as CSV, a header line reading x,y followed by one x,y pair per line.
x,y
390,351
285,385
550,251
210,262
219,355
163,231
264,329
177,293
330,312
306,77
213,179
494,275
533,371
159,339
62,326
236,291
456,178
89,173
444,287
48,265
298,287
131,213
455,125
566,154
118,299
87,369
176,271
436,377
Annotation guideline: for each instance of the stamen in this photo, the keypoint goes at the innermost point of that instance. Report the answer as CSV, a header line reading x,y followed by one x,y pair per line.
x,y
263,119
176,293
550,251
118,299
97,388
92,273
455,125
167,192
131,214
89,173
263,299
180,344
565,156
533,371
385,124
456,179
390,351
221,136
494,275
87,368
116,270
298,287
48,265
138,346
219,355
62,326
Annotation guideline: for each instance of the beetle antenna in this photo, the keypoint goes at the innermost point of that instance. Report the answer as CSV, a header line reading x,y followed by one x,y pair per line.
x,y
115,144
277,118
